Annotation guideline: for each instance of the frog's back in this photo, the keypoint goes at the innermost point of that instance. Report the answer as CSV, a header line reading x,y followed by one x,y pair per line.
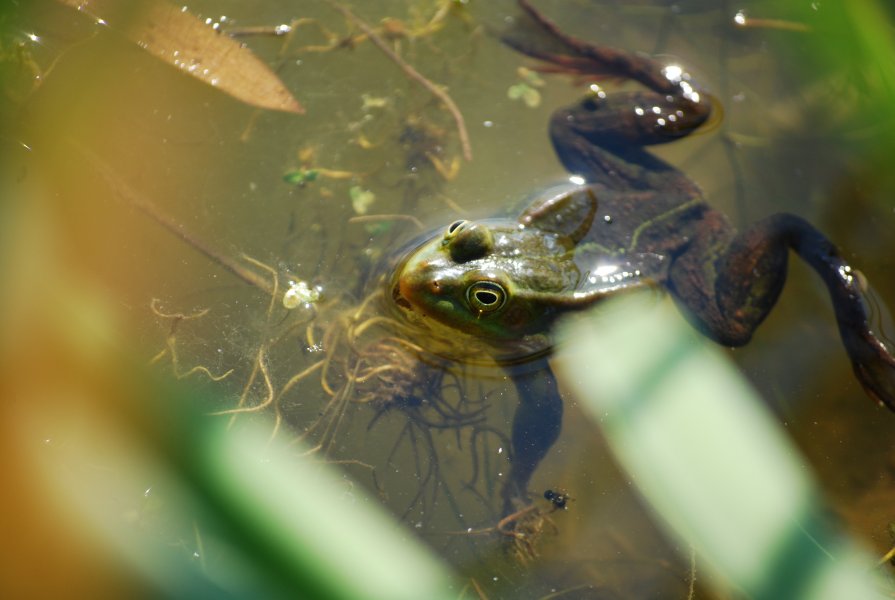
x,y
637,233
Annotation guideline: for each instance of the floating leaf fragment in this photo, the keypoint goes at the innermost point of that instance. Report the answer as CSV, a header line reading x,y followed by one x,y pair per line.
x,y
172,34
522,91
378,228
301,176
526,89
370,102
530,77
361,199
300,293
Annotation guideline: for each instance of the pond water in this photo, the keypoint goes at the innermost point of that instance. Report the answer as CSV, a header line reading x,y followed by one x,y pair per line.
x,y
795,136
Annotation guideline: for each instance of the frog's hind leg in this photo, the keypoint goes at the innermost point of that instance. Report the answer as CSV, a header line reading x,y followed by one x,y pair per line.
x,y
603,139
731,294
536,426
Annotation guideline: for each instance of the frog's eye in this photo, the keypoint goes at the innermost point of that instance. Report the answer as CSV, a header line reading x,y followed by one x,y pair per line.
x,y
454,228
470,241
486,296
591,102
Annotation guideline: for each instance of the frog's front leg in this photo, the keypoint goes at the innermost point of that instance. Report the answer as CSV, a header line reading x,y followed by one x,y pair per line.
x,y
536,425
730,283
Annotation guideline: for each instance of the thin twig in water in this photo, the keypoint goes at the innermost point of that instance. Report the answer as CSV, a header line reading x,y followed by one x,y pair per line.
x,y
261,363
171,343
888,557
691,592
478,589
379,218
414,75
130,196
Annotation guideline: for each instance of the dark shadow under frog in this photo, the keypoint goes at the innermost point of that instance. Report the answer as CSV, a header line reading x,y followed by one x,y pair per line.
x,y
634,221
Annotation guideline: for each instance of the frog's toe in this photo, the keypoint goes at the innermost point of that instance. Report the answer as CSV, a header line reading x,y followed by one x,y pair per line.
x,y
878,385
875,370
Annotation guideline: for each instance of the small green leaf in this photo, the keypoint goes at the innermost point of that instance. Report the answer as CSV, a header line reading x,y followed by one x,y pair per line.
x,y
361,199
516,91
379,227
530,77
371,102
522,91
532,98
301,176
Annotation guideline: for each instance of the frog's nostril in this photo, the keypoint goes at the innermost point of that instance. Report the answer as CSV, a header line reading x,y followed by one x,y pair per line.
x,y
436,287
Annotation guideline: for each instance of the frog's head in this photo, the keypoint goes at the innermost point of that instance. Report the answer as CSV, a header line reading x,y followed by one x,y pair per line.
x,y
499,280
454,279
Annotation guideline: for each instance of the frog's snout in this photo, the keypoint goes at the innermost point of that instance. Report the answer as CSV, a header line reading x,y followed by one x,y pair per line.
x,y
419,291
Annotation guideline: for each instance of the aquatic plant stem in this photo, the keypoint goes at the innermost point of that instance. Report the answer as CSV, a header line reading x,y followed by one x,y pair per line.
x,y
413,74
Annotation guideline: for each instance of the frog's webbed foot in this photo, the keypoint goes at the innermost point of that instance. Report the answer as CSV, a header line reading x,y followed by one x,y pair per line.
x,y
874,366
540,38
873,363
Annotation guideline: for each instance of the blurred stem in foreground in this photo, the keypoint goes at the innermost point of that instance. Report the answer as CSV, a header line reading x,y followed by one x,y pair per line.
x,y
121,485
268,521
702,449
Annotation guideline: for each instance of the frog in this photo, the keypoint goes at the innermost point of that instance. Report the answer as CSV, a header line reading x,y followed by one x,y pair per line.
x,y
627,220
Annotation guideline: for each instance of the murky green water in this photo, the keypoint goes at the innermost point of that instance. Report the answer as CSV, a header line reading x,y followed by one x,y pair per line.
x,y
792,139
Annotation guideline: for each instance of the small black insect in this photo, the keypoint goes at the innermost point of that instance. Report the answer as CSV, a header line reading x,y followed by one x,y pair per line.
x,y
559,499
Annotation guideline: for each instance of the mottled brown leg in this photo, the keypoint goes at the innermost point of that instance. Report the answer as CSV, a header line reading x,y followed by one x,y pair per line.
x,y
730,296
602,138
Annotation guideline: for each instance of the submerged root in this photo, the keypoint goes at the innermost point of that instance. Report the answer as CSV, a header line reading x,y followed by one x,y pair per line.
x,y
372,363
523,529
170,349
355,358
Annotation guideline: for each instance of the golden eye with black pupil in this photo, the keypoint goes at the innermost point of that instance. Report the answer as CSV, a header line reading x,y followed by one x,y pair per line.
x,y
486,296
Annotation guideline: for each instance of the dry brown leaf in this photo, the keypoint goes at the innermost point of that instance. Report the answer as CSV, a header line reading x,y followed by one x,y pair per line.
x,y
179,38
